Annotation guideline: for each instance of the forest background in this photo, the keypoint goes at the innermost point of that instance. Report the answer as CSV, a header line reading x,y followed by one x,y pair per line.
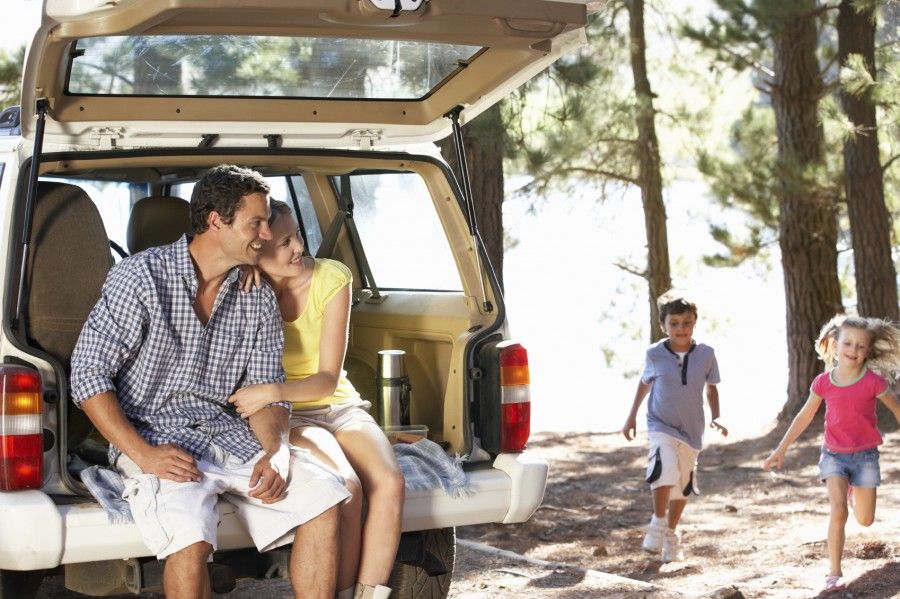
x,y
741,150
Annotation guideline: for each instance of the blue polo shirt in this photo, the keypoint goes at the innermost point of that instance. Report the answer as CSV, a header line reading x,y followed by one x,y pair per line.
x,y
675,406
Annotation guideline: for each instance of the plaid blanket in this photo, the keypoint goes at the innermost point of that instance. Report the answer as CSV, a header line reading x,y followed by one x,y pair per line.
x,y
425,465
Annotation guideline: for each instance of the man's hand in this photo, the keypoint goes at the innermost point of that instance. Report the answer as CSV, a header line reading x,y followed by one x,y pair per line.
x,y
630,428
252,399
169,462
717,426
268,482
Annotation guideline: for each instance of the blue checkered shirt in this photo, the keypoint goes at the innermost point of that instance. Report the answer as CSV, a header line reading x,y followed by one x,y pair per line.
x,y
171,374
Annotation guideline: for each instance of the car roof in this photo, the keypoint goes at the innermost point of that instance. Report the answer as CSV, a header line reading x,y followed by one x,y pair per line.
x,y
487,48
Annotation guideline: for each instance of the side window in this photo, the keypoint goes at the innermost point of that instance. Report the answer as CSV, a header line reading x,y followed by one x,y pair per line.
x,y
399,228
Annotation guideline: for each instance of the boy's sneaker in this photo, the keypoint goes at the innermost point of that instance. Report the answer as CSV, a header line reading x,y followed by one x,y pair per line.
x,y
671,549
655,537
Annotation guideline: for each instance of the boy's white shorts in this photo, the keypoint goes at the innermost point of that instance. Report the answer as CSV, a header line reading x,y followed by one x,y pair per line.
x,y
672,463
173,515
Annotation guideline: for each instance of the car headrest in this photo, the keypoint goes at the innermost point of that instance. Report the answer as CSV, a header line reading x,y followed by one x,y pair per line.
x,y
157,220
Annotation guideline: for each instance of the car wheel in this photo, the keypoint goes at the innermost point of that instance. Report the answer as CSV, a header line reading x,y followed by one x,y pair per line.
x,y
413,582
20,585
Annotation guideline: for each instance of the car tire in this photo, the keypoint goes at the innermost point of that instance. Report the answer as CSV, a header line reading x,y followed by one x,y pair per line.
x,y
413,582
20,585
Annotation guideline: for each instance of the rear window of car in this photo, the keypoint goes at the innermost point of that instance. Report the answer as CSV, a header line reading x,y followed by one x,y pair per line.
x,y
264,66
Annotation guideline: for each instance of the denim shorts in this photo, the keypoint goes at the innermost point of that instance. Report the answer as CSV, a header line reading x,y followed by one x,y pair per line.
x,y
860,468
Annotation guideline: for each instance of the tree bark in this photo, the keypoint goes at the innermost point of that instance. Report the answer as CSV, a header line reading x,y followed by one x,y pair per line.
x,y
483,140
870,226
807,210
658,275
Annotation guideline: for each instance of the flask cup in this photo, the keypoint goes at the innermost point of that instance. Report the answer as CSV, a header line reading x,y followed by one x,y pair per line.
x,y
393,388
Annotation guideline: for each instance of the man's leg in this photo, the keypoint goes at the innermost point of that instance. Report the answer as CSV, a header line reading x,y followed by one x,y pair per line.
x,y
314,557
185,575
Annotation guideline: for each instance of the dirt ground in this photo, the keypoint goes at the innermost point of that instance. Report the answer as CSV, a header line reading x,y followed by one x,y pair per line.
x,y
750,534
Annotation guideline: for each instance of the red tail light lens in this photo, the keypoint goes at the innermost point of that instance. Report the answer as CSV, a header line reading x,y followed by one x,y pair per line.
x,y
21,438
515,398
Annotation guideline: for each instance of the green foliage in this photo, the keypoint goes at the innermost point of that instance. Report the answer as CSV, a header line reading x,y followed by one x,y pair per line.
x,y
11,77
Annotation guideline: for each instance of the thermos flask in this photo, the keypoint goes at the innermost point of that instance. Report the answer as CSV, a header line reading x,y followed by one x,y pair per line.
x,y
393,388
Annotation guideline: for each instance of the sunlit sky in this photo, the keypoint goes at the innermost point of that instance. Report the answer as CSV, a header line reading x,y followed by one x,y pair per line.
x,y
575,310
20,20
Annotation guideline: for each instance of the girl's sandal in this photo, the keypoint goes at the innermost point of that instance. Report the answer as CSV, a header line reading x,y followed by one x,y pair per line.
x,y
833,583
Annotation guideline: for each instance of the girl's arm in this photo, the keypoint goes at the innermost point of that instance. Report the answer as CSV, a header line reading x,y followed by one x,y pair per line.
x,y
630,428
332,347
890,400
712,397
798,425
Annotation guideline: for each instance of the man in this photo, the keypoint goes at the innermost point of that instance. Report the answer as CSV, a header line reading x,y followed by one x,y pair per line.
x,y
171,338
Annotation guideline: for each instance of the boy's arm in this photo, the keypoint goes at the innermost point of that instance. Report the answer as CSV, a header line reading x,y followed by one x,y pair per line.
x,y
712,397
630,428
798,425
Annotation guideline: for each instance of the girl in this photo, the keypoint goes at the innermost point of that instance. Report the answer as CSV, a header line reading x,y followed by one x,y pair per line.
x,y
329,418
852,349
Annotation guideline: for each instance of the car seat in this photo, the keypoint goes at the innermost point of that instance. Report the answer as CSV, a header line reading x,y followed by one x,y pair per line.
x,y
68,259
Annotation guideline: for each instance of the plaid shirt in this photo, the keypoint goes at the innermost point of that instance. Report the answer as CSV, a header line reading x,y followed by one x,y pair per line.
x,y
171,374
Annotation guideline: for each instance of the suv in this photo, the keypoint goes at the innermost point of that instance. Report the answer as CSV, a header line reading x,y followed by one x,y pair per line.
x,y
127,103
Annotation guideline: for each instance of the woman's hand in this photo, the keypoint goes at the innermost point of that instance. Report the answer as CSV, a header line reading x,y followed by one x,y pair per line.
x,y
250,400
251,276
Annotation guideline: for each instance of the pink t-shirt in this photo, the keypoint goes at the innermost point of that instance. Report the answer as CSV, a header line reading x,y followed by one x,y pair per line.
x,y
850,421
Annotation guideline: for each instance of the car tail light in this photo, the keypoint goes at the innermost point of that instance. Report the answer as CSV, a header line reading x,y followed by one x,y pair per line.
x,y
21,435
515,398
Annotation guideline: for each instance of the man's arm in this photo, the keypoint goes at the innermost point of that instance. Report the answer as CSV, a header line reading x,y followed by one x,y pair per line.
x,y
165,461
270,473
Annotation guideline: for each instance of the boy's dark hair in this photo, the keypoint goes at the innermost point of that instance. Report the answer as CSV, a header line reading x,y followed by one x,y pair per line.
x,y
673,302
221,190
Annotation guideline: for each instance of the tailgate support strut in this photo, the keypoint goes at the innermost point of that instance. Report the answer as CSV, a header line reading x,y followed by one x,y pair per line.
x,y
466,185
41,106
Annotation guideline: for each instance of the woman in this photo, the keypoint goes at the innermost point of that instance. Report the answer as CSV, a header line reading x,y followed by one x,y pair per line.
x,y
329,418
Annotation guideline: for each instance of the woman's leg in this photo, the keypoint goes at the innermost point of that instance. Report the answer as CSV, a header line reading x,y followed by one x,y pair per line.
x,y
324,446
372,458
837,496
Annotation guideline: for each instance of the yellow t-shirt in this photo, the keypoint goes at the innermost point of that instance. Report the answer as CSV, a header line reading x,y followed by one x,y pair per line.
x,y
302,337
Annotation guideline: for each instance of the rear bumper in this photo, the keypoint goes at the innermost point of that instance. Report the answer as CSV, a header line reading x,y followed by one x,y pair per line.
x,y
38,533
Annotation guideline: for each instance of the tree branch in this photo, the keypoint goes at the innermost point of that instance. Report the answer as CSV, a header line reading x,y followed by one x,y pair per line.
x,y
583,170
631,270
763,70
890,161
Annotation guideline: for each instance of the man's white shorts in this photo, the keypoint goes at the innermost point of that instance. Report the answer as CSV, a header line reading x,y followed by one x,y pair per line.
x,y
173,515
335,417
672,463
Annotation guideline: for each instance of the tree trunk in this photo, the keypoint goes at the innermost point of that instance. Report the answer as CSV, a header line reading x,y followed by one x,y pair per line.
x,y
659,278
870,225
807,211
483,139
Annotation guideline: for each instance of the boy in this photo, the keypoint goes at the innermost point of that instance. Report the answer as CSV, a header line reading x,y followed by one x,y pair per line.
x,y
676,370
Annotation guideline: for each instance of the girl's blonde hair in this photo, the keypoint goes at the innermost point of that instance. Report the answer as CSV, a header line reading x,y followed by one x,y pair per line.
x,y
884,355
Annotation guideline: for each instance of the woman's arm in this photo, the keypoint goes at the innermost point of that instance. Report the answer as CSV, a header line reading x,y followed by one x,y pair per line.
x,y
332,348
798,425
